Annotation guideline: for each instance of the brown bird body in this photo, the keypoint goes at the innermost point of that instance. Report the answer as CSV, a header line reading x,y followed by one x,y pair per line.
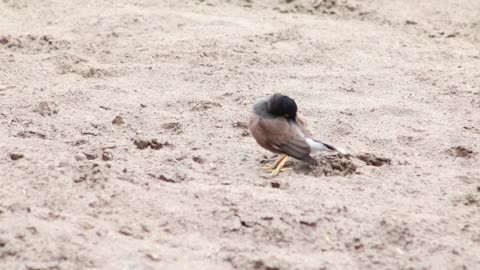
x,y
281,137
276,126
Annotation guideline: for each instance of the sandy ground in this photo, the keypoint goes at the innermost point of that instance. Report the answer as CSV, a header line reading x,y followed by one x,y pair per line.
x,y
124,144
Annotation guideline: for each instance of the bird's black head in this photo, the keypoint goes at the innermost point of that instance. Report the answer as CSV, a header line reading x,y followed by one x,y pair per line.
x,y
280,105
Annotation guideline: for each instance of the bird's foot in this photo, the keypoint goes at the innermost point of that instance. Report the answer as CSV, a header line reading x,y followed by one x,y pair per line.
x,y
277,171
274,165
278,166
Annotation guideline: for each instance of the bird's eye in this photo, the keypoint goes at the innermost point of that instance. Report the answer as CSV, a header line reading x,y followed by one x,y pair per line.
x,y
287,115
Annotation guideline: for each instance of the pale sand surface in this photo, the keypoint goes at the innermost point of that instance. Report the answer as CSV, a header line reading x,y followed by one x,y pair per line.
x,y
396,83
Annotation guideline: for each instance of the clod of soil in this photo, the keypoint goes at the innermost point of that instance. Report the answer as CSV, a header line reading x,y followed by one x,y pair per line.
x,y
15,156
107,156
3,40
163,178
45,108
373,160
118,121
461,151
30,134
79,142
141,144
471,199
174,126
241,125
33,44
324,3
125,230
93,72
274,184
90,156
198,159
203,105
155,145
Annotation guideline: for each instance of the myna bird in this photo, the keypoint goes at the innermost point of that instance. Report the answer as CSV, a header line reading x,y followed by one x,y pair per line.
x,y
276,127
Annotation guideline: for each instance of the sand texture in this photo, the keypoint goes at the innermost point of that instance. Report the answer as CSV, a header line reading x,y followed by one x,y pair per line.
x,y
124,141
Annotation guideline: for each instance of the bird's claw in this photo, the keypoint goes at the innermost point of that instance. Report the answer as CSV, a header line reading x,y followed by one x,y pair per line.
x,y
277,167
277,171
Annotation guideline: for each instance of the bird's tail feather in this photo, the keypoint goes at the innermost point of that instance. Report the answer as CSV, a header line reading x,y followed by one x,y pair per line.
x,y
319,146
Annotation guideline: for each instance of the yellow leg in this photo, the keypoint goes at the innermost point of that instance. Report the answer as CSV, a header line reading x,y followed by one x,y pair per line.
x,y
275,165
280,165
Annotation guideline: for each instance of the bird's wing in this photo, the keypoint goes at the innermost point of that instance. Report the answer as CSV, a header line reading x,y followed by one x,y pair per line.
x,y
286,137
303,126
260,134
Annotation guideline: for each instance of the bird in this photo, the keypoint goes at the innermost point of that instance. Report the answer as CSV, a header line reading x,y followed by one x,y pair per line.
x,y
276,126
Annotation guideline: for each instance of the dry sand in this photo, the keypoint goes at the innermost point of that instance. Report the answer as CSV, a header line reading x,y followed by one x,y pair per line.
x,y
124,141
